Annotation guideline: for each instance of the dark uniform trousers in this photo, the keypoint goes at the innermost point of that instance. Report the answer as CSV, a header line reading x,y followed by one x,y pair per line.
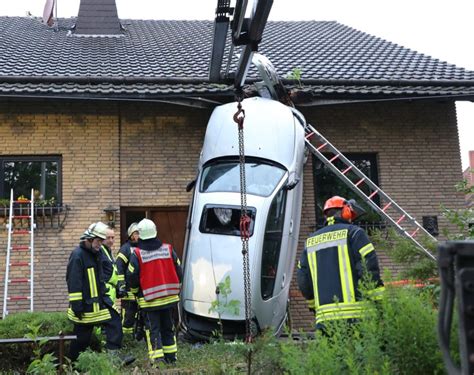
x,y
113,334
129,315
160,336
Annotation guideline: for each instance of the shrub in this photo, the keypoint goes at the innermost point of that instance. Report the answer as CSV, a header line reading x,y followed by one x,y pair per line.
x,y
399,336
408,322
45,365
94,363
16,325
32,324
416,265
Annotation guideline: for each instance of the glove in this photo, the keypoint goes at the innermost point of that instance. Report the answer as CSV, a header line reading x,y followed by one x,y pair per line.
x,y
121,290
79,314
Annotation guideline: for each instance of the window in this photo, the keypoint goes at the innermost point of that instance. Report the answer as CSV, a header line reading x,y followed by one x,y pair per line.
x,y
224,176
23,173
327,184
223,219
272,243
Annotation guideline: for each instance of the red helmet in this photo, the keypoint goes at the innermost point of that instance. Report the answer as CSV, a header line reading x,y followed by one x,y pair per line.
x,y
334,202
338,202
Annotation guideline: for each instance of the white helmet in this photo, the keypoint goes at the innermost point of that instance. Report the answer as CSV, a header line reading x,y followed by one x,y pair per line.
x,y
96,230
132,228
146,229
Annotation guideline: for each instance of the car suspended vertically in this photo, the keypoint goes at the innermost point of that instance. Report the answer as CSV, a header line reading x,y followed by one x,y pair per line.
x,y
274,157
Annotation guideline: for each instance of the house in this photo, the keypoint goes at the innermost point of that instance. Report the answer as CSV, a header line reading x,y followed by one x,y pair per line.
x,y
105,114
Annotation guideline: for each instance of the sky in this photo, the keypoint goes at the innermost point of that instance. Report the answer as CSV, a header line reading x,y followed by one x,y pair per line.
x,y
439,28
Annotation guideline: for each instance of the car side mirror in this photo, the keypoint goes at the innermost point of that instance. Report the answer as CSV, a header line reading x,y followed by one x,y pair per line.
x,y
292,182
190,185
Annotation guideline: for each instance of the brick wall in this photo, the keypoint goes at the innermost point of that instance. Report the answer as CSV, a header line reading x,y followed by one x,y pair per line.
x,y
145,154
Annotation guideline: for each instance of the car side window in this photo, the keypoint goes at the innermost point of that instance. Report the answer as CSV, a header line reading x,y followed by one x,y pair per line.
x,y
272,243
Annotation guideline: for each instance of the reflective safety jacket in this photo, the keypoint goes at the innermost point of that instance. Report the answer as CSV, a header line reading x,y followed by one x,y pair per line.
x,y
154,274
86,287
110,272
330,268
123,258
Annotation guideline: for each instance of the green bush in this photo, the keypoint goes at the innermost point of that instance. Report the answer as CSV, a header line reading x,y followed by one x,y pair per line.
x,y
398,337
416,264
45,365
94,363
408,322
32,325
16,325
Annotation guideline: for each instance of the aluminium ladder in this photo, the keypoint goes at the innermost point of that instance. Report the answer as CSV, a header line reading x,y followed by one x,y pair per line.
x,y
389,210
17,206
349,174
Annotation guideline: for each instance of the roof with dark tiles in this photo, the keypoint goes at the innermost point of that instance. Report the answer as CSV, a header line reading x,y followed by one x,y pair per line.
x,y
153,59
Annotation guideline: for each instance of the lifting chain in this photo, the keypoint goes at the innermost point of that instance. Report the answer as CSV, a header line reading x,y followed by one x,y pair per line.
x,y
239,117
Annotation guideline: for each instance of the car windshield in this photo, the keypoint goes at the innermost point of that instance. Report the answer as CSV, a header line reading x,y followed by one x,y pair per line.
x,y
261,178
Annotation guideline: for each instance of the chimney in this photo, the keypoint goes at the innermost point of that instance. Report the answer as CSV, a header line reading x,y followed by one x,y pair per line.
x,y
97,17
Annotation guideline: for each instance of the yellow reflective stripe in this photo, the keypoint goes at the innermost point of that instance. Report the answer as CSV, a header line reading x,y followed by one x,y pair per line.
x,y
131,268
148,341
107,253
77,296
157,302
178,262
377,293
123,257
92,282
313,266
331,239
366,250
336,311
170,349
310,303
155,354
335,316
345,274
342,307
90,317
121,277
342,274
130,296
90,275
134,290
93,288
127,329
349,274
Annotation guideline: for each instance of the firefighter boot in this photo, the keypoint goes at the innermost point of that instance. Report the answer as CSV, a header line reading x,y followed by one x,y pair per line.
x,y
125,359
170,359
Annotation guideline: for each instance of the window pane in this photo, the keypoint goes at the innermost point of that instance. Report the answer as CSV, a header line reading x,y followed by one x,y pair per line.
x,y
327,184
219,219
224,176
272,243
24,175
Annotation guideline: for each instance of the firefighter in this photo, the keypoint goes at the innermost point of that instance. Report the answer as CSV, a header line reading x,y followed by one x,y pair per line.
x,y
333,262
89,303
129,303
154,274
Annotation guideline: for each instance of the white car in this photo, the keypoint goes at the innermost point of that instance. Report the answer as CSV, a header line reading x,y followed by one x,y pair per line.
x,y
274,155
